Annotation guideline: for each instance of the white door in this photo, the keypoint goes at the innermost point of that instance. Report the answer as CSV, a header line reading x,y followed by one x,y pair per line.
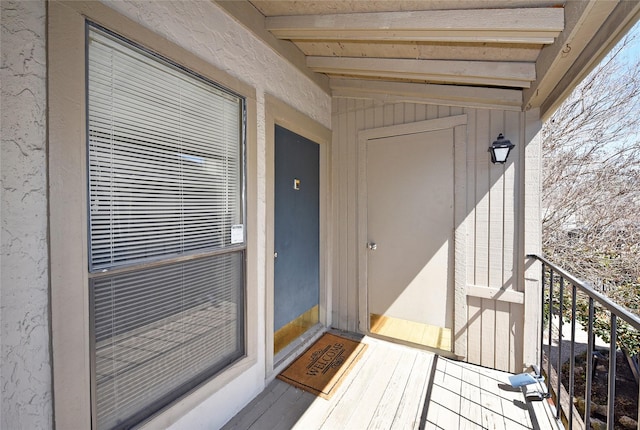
x,y
409,223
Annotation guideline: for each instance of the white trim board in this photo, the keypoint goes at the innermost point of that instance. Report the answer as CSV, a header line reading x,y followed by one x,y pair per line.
x,y
497,294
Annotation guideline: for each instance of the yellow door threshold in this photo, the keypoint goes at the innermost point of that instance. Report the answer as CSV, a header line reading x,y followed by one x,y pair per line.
x,y
410,331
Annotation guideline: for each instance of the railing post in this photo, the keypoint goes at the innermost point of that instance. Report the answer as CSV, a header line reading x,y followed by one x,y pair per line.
x,y
559,368
612,373
589,370
572,354
550,327
542,318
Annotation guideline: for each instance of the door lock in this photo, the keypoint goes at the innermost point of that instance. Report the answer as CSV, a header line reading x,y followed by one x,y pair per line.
x,y
372,246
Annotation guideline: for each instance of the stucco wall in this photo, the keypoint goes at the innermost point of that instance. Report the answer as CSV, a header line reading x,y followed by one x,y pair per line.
x,y
25,368
200,27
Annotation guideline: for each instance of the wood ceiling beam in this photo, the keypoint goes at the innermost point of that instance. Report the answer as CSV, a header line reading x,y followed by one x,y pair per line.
x,y
525,25
503,74
446,95
422,50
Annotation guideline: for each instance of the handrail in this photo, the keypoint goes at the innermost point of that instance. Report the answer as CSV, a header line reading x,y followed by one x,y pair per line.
x,y
620,312
616,312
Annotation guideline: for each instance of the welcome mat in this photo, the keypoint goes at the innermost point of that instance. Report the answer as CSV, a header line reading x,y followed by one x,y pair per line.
x,y
322,368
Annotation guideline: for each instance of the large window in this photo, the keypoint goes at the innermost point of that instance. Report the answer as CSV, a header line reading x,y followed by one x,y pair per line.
x,y
167,229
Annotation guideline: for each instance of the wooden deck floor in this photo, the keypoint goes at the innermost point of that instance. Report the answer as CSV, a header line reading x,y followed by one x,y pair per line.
x,y
396,387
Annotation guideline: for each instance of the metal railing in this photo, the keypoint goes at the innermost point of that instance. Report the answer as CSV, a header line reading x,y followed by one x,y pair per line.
x,y
555,282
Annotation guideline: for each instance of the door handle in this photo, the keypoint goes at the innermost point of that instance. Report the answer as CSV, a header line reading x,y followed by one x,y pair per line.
x,y
372,246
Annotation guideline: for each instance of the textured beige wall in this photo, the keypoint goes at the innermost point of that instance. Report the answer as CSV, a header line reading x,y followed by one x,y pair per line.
x,y
201,28
26,368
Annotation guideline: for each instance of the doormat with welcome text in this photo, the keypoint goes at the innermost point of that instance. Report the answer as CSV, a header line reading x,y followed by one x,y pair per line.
x,y
322,368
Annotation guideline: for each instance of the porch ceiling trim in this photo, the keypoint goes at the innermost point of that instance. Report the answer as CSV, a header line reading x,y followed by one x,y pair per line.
x,y
562,66
446,95
537,48
525,25
493,73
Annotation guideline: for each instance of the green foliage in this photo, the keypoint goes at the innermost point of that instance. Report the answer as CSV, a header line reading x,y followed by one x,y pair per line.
x,y
627,338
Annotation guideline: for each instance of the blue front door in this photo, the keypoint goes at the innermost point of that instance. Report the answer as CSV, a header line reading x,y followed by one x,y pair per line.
x,y
296,236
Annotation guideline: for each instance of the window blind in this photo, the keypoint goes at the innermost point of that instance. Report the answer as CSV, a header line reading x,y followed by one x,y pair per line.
x,y
164,158
160,331
165,162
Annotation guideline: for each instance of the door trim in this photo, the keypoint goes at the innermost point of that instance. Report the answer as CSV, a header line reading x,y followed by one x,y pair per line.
x,y
280,113
459,125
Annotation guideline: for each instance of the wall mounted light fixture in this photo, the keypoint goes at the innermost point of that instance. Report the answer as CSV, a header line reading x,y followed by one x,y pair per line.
x,y
500,149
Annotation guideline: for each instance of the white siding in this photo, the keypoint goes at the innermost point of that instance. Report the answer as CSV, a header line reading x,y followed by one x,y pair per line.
x,y
494,250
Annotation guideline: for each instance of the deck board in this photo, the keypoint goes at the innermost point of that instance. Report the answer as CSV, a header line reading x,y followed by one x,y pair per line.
x,y
383,415
383,402
388,389
295,402
364,392
470,399
408,414
258,406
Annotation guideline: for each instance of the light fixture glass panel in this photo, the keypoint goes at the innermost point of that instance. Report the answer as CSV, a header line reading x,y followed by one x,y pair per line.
x,y
501,154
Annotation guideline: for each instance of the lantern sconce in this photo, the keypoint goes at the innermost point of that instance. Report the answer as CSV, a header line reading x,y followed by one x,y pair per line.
x,y
500,149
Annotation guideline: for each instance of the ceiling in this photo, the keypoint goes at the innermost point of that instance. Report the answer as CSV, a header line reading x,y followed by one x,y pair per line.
x,y
505,53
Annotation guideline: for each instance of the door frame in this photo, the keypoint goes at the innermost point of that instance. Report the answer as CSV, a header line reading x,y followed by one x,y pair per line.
x,y
279,113
459,125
